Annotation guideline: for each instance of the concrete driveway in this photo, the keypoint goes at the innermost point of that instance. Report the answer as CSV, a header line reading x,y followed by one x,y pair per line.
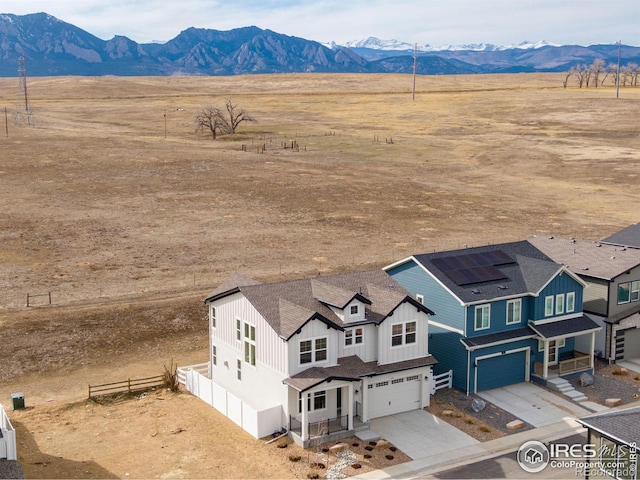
x,y
420,434
533,404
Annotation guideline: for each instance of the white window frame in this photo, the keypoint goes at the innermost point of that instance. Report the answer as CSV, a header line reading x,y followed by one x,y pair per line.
x,y
314,350
571,302
548,305
420,298
311,401
634,291
628,288
239,369
212,310
518,302
353,313
560,304
406,337
354,337
214,354
250,344
238,330
482,308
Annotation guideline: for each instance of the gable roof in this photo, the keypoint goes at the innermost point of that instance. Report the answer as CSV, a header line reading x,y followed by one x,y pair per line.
x,y
287,306
589,259
627,237
524,270
622,425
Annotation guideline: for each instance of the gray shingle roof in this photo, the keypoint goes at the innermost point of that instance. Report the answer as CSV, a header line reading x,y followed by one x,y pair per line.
x,y
589,259
627,237
623,425
530,272
506,336
352,368
565,326
288,305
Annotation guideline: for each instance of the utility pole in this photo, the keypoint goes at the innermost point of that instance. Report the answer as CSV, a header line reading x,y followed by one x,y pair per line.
x,y
23,111
618,73
6,121
415,63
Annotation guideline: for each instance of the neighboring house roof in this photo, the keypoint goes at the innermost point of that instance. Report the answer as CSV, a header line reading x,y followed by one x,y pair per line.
x,y
565,326
496,338
352,368
589,259
622,425
627,237
516,268
632,314
287,306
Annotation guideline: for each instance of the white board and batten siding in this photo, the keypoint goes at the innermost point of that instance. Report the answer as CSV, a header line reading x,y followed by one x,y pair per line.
x,y
404,313
367,350
311,331
271,352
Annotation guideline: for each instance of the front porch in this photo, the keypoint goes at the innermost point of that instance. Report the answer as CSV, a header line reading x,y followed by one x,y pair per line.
x,y
573,362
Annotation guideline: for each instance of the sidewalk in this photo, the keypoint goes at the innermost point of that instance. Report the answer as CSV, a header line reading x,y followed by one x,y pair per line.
x,y
463,456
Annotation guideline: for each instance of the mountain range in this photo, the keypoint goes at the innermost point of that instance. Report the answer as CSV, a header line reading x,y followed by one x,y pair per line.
x,y
53,47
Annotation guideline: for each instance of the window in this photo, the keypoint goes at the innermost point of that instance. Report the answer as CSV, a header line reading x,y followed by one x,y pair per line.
x,y
482,317
319,401
382,384
214,354
623,292
354,310
559,303
238,330
353,336
212,310
635,291
571,302
413,377
561,343
250,344
314,350
403,334
513,311
396,381
420,298
548,306
239,368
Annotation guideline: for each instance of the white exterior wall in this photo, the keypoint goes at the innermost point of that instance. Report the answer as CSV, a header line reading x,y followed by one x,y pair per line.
x,y
367,350
312,330
404,313
260,385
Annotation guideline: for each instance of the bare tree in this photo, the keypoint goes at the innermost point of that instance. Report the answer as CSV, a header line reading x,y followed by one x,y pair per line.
x,y
634,73
596,70
216,120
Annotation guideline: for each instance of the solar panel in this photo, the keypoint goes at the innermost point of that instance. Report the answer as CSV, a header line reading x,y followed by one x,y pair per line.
x,y
472,268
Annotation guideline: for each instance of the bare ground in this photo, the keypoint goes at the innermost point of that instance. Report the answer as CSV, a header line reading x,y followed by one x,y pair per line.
x,y
129,227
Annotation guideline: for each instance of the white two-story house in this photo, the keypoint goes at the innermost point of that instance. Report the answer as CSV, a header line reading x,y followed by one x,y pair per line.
x,y
320,354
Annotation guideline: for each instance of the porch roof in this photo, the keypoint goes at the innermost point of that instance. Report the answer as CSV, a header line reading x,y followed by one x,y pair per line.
x,y
351,368
500,337
622,425
565,328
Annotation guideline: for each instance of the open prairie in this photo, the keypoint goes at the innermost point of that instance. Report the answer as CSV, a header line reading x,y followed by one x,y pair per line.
x,y
115,205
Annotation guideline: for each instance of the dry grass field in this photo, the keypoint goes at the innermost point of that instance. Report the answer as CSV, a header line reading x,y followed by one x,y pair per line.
x,y
128,217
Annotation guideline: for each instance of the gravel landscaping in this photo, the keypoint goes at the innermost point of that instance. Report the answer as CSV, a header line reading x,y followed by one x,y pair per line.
x,y
610,381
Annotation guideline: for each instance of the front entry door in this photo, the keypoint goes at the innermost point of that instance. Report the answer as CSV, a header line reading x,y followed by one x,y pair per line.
x,y
339,402
553,353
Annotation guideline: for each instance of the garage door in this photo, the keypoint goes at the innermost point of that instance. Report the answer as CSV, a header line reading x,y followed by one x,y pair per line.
x,y
502,370
393,394
631,343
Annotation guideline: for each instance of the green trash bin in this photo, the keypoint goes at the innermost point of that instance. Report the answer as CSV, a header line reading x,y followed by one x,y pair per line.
x,y
17,400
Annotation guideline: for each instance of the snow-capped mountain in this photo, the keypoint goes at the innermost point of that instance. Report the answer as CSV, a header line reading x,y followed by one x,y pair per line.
x,y
374,43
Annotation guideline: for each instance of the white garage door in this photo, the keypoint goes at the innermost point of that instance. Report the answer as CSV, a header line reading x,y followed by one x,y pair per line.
x,y
389,394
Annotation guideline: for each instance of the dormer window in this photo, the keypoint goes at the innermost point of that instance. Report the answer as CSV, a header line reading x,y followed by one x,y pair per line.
x,y
354,310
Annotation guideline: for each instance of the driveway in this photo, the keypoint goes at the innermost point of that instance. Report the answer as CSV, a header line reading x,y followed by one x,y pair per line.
x,y
420,434
533,404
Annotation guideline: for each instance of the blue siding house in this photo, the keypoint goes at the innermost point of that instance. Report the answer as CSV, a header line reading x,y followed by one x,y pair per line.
x,y
505,314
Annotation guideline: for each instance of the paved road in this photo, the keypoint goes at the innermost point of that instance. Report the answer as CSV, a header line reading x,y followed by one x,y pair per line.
x,y
506,466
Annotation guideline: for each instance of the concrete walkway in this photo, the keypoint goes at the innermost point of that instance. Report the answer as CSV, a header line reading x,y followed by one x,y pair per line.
x,y
421,434
533,404
632,364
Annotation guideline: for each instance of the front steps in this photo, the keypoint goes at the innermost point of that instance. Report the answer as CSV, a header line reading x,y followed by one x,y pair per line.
x,y
563,386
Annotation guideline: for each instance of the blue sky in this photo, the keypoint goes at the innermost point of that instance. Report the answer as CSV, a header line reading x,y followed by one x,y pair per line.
x,y
442,22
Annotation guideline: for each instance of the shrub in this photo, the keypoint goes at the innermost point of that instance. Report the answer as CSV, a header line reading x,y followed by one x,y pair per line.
x,y
356,466
312,475
470,421
367,456
294,458
389,457
484,428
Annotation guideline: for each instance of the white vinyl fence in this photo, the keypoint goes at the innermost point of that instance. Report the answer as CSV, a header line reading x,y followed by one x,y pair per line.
x,y
7,437
257,423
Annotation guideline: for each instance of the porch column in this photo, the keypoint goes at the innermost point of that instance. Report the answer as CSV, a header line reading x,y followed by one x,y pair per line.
x,y
350,406
305,418
545,362
593,349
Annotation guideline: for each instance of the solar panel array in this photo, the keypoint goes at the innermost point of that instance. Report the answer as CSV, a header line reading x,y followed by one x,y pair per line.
x,y
474,267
